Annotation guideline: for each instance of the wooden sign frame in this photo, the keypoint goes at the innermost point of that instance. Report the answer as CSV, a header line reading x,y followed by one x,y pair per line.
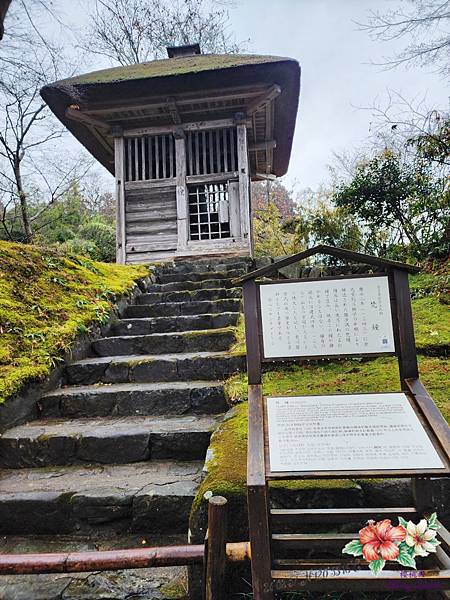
x,y
269,573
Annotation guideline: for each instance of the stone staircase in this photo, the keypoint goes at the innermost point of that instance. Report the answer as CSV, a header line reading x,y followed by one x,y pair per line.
x,y
118,450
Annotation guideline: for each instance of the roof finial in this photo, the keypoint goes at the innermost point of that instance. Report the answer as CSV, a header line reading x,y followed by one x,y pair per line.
x,y
188,50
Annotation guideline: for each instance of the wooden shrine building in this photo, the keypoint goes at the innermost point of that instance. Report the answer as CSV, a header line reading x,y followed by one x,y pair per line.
x,y
184,136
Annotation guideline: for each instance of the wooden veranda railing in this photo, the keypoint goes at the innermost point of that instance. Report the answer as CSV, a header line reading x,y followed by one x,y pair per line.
x,y
213,554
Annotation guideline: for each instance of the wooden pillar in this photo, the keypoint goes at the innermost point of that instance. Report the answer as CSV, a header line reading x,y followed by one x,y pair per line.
x,y
406,345
182,195
119,161
257,491
243,180
216,549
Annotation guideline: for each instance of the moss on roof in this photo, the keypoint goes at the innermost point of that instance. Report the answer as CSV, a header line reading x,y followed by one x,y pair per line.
x,y
171,66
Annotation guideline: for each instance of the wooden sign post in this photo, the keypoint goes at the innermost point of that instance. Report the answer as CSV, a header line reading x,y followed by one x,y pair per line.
x,y
390,433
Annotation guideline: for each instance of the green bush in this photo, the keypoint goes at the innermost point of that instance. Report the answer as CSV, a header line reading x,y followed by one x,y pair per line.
x,y
103,235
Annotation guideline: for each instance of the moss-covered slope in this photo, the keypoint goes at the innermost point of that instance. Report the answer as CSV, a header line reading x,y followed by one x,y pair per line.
x,y
46,300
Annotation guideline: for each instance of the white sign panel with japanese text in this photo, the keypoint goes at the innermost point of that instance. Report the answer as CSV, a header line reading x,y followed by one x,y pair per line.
x,y
346,433
328,317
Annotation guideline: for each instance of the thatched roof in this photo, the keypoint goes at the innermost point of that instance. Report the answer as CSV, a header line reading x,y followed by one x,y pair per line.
x,y
169,67
137,94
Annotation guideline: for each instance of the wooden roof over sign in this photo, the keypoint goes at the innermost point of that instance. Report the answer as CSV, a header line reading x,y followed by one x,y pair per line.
x,y
185,89
342,253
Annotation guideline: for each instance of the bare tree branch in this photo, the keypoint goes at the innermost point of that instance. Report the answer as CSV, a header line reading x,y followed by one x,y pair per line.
x,y
425,26
134,31
29,60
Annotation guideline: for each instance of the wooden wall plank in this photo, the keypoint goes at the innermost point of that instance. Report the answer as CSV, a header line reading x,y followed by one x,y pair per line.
x,y
143,158
171,161
204,152
150,221
225,150
129,160
233,149
157,165
219,156
210,152
150,158
190,146
136,160
164,156
197,154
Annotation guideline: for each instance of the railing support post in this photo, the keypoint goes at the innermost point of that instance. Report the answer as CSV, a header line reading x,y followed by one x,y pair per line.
x,y
215,549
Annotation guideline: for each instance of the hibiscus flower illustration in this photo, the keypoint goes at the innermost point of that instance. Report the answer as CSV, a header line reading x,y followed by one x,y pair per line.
x,y
421,538
379,540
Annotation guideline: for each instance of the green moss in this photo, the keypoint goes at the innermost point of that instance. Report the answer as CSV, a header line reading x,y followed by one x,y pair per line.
x,y
173,590
432,325
314,484
171,66
66,497
46,300
44,437
347,376
239,346
199,332
226,462
434,283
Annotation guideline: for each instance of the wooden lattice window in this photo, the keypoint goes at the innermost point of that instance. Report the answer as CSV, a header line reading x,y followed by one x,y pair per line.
x,y
211,151
209,211
150,157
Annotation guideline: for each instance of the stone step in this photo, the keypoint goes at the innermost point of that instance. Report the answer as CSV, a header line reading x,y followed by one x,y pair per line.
x,y
199,275
175,309
153,496
214,340
204,366
143,326
152,584
106,440
126,399
190,296
208,264
186,285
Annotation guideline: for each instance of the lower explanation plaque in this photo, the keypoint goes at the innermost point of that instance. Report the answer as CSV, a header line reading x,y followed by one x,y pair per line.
x,y
346,433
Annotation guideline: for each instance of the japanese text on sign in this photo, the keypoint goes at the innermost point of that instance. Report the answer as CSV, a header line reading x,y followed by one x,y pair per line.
x,y
346,433
329,317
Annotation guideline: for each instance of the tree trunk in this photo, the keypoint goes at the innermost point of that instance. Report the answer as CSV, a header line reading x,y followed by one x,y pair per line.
x,y
4,5
408,231
23,204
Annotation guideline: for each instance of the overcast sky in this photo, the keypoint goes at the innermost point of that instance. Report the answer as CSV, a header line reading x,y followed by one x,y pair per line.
x,y
337,72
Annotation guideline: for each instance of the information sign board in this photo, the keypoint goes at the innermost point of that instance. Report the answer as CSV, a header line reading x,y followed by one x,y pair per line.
x,y
347,432
327,317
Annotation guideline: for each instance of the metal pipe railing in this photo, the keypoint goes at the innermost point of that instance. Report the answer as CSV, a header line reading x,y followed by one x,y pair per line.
x,y
136,558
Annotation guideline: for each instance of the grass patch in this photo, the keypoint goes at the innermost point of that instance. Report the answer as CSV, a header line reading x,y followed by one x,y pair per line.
x,y
346,377
46,300
239,346
432,325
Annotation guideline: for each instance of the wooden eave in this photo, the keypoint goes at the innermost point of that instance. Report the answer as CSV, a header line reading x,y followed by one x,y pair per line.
x,y
342,253
252,90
